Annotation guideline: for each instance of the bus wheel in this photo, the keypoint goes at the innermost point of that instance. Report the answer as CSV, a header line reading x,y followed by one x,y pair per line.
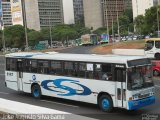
x,y
105,103
36,91
155,73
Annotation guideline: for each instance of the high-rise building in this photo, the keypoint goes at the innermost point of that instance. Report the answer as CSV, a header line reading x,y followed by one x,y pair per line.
x,y
7,17
93,14
50,12
139,6
99,13
78,11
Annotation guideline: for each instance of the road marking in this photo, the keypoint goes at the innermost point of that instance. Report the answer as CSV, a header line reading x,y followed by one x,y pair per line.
x,y
4,93
59,103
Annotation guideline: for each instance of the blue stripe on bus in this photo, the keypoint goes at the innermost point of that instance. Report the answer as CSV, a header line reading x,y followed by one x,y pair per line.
x,y
136,104
71,91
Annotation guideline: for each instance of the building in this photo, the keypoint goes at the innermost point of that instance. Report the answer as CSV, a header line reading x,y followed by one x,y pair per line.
x,y
50,12
7,17
139,6
78,11
68,12
93,14
99,13
25,12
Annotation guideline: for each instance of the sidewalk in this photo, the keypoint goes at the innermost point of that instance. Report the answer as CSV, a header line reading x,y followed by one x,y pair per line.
x,y
35,112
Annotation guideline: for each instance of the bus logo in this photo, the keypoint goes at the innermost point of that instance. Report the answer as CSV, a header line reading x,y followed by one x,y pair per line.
x,y
70,91
34,77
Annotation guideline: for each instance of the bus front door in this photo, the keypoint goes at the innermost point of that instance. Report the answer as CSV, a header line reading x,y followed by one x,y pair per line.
x,y
20,75
120,76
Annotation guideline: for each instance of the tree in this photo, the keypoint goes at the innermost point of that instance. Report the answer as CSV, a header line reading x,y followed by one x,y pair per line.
x,y
151,19
100,31
14,36
140,23
34,37
64,33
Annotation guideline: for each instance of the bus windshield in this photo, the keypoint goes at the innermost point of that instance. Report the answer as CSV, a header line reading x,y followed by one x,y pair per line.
x,y
139,77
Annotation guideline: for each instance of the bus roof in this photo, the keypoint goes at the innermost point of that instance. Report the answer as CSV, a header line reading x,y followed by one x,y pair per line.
x,y
155,39
75,57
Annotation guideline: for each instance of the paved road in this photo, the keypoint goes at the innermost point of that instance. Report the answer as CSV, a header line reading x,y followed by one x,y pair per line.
x,y
78,50
84,109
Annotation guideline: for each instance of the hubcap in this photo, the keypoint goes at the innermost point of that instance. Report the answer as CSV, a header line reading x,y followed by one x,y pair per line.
x,y
36,92
105,104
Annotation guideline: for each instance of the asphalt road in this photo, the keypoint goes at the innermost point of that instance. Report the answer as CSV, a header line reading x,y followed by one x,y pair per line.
x,y
83,109
78,50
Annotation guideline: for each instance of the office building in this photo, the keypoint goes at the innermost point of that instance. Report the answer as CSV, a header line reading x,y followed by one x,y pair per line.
x,y
99,13
6,14
139,6
78,11
50,12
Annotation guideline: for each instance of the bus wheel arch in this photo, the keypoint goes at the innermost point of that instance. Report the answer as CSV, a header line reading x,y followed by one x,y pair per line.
x,y
36,90
157,56
105,102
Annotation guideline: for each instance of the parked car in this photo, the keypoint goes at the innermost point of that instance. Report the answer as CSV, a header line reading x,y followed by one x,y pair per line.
x,y
156,67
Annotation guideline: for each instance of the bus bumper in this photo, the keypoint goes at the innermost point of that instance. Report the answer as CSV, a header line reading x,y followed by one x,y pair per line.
x,y
136,104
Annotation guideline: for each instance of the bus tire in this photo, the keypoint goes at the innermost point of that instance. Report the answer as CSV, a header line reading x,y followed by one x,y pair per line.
x,y
157,56
36,91
105,103
155,73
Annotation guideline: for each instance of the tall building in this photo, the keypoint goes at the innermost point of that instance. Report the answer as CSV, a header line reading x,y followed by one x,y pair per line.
x,y
68,12
50,12
99,13
93,14
78,11
7,17
139,6
113,9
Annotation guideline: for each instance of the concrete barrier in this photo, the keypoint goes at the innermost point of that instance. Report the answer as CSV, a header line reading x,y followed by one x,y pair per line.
x,y
23,110
138,52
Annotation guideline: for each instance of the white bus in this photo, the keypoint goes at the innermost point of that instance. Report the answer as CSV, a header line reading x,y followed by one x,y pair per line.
x,y
152,48
107,80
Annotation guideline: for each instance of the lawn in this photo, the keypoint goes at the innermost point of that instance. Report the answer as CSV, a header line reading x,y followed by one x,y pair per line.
x,y
107,48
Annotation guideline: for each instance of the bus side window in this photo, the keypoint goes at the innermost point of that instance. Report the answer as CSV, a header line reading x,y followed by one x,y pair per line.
x,y
97,73
56,68
43,67
82,70
27,66
89,71
8,64
33,66
13,64
106,72
68,68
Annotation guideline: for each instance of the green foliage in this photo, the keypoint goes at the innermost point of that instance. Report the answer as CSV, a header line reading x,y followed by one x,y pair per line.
x,y
100,31
34,37
14,36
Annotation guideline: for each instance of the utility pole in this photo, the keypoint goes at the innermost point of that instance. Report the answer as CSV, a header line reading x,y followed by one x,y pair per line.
x,y
50,29
117,20
158,19
105,3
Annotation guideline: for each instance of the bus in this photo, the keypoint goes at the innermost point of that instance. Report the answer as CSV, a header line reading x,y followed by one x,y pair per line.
x,y
152,48
104,38
107,80
89,39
